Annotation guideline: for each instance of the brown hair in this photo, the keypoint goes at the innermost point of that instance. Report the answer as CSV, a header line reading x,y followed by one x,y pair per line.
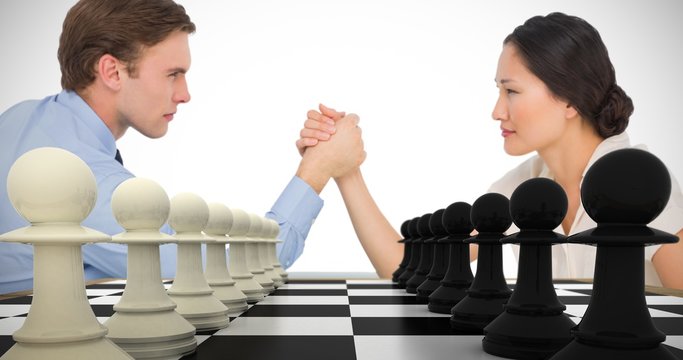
x,y
121,28
568,55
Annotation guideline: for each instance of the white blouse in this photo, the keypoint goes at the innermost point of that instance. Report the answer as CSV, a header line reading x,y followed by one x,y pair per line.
x,y
576,260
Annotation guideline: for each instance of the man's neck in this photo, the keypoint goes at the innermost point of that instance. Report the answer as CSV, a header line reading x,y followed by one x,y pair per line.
x,y
104,106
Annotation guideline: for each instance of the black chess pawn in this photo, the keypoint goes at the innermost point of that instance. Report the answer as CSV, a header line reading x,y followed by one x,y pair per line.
x,y
489,291
406,252
439,258
458,278
622,192
416,249
426,254
533,325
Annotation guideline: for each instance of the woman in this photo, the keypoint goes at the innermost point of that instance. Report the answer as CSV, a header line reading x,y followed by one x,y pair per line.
x,y
558,97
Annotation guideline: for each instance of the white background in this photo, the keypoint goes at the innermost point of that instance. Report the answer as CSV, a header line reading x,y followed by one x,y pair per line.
x,y
419,73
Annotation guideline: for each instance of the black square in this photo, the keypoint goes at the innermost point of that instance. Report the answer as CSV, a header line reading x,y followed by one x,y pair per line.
x,y
401,326
298,311
310,292
379,300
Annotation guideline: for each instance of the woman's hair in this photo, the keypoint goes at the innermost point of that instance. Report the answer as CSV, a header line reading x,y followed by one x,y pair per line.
x,y
121,28
568,55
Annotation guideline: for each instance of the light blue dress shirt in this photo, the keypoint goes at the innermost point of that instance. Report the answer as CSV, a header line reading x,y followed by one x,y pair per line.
x,y
66,121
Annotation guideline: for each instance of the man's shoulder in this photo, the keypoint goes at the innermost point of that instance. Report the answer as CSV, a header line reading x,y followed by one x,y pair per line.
x,y
26,110
23,107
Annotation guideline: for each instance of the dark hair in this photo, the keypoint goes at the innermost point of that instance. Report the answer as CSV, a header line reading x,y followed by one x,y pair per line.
x,y
122,28
568,55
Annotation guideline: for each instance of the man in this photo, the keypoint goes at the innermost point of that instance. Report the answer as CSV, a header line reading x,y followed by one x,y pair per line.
x,y
123,66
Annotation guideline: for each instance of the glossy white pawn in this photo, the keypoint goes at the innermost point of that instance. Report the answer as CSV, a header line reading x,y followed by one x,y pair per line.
x,y
238,257
55,191
264,253
253,258
146,324
196,302
272,249
216,273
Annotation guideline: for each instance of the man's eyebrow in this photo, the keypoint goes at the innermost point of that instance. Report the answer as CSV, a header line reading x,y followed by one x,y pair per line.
x,y
178,70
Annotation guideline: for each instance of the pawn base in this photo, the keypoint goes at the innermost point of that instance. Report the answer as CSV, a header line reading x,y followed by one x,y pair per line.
x,y
251,289
237,307
104,349
230,296
205,312
473,314
426,289
445,297
152,335
519,336
414,282
578,350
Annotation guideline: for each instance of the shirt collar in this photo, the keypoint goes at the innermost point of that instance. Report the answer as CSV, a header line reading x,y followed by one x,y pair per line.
x,y
87,116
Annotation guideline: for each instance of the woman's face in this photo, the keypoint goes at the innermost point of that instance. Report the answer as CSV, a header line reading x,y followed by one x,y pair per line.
x,y
531,118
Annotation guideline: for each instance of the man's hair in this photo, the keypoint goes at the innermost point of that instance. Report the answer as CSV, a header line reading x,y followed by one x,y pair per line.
x,y
121,28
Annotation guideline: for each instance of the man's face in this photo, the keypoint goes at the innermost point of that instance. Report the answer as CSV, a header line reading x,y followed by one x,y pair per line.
x,y
150,98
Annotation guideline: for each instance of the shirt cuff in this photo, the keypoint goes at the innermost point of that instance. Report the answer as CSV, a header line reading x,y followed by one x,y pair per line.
x,y
298,204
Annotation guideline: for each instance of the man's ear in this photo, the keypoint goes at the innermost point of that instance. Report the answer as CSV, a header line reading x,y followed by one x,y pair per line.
x,y
109,71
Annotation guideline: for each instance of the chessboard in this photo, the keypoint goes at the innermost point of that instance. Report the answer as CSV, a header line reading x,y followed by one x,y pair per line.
x,y
345,319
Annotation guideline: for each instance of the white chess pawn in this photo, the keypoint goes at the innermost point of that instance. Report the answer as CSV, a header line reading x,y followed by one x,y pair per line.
x,y
272,249
238,257
216,273
196,302
253,259
55,191
263,253
146,324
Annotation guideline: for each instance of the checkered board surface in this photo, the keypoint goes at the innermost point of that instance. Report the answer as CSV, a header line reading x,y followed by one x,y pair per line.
x,y
345,319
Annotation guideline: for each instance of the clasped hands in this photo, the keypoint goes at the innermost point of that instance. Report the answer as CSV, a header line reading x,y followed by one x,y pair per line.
x,y
331,146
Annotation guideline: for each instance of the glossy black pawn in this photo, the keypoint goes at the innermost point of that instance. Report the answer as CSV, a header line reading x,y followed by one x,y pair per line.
x,y
533,325
622,192
416,249
489,291
439,258
458,278
426,254
406,252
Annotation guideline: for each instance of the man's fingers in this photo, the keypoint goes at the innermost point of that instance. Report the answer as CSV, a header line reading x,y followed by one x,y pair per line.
x,y
314,124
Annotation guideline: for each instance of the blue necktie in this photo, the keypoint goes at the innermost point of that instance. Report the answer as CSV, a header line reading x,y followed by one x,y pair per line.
x,y
118,157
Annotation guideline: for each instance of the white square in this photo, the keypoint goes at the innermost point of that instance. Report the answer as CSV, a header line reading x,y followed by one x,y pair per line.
x,y
9,325
663,300
674,341
14,309
284,326
313,287
305,300
105,300
574,286
369,282
580,311
420,347
102,292
201,338
561,292
576,310
393,311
